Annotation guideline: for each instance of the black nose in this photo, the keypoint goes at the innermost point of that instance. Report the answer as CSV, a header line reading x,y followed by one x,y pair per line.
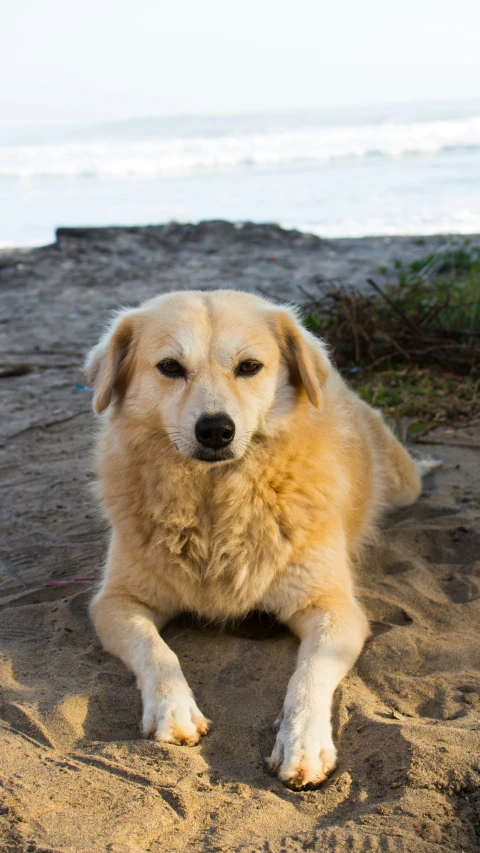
x,y
214,431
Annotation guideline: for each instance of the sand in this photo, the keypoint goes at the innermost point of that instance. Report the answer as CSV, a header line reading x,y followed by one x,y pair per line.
x,y
74,774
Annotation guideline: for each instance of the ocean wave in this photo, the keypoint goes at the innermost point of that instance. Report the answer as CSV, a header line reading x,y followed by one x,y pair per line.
x,y
461,221
167,156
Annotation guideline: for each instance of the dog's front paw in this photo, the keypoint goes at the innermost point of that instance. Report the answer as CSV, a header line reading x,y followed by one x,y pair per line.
x,y
172,716
304,753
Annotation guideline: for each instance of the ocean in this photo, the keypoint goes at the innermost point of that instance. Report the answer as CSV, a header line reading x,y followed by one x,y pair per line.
x,y
336,173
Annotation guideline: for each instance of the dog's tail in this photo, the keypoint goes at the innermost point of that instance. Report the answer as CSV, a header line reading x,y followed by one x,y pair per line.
x,y
426,465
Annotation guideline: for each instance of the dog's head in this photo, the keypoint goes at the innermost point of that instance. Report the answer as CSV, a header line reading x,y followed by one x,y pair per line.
x,y
211,370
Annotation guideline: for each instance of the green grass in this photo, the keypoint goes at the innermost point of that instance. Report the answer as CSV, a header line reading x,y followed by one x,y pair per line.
x,y
419,398
443,291
411,347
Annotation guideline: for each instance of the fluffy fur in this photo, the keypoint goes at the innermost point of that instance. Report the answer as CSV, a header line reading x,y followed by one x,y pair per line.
x,y
274,527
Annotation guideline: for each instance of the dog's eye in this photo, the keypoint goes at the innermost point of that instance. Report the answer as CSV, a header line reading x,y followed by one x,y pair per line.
x,y
248,367
170,367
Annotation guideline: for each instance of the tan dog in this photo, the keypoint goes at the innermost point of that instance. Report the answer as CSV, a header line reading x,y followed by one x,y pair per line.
x,y
237,471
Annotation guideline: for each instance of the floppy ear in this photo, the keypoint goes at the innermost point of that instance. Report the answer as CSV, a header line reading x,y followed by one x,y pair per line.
x,y
306,356
107,363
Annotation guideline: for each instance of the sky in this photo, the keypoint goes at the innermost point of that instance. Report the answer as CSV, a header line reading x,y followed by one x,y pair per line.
x,y
102,60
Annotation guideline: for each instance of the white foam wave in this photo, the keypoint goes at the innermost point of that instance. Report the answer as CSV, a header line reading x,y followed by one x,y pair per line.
x,y
461,221
166,156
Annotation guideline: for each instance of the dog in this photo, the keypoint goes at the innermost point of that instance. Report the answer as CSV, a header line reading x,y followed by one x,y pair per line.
x,y
238,472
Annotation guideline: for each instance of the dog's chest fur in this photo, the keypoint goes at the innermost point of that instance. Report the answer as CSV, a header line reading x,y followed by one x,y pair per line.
x,y
221,540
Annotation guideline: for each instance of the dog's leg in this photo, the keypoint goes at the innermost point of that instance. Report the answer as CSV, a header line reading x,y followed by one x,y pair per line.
x,y
332,633
129,630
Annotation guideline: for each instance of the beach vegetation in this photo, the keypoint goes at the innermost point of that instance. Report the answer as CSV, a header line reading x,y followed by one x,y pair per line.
x,y
411,346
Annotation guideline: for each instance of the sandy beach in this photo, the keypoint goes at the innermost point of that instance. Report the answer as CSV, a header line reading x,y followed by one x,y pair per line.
x,y
75,777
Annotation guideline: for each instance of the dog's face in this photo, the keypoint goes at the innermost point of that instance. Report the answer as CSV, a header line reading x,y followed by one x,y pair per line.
x,y
209,370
